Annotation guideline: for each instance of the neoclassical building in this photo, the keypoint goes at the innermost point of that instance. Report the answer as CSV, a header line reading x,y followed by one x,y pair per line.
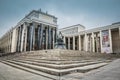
x,y
36,31
104,39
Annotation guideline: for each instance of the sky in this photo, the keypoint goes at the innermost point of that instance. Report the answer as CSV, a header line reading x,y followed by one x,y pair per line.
x,y
89,13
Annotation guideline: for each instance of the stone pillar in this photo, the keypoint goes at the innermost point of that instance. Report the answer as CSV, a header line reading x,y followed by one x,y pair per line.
x,y
110,38
79,42
86,42
39,33
41,37
96,42
93,42
49,37
69,43
53,38
31,36
22,37
25,38
46,37
73,42
19,39
101,47
33,43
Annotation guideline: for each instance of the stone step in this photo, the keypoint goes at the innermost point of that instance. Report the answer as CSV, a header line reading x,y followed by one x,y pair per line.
x,y
53,77
60,66
54,62
58,72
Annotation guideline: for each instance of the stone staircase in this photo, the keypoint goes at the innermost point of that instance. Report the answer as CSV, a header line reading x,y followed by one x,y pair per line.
x,y
56,64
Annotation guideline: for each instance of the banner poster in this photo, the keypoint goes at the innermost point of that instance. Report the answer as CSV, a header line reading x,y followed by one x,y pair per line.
x,y
105,42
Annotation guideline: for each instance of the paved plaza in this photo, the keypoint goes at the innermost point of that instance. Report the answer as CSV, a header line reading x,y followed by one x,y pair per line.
x,y
59,66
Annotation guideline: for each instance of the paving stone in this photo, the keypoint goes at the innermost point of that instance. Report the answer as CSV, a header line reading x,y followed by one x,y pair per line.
x,y
109,72
10,73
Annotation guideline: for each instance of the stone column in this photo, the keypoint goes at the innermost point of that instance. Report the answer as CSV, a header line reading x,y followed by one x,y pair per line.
x,y
41,37
25,37
101,41
110,38
22,38
73,42
93,42
79,42
69,43
19,39
53,38
31,36
39,33
46,37
86,42
33,47
49,37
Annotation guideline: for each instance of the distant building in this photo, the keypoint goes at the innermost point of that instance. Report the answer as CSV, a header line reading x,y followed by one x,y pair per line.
x,y
104,39
36,31
72,29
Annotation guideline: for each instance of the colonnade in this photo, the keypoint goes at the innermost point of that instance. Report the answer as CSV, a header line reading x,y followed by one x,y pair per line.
x,y
34,36
99,41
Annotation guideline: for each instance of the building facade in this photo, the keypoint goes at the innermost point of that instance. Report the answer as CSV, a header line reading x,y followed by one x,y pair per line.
x,y
36,31
104,39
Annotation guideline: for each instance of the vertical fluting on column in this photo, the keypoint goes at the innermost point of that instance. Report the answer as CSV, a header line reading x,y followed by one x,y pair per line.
x,y
110,39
